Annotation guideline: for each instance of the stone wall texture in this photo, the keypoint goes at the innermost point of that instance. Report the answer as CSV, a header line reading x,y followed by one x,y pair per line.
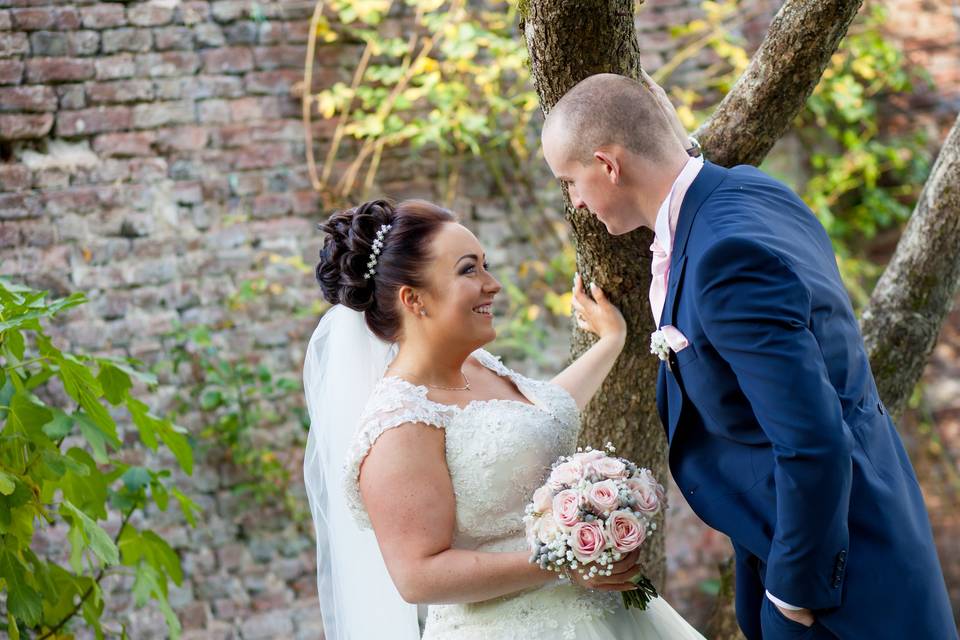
x,y
152,155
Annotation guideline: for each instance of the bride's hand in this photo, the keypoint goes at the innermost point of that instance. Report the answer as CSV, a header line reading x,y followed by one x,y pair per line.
x,y
597,315
619,580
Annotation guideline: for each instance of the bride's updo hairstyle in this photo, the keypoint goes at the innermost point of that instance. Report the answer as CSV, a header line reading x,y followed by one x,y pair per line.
x,y
348,247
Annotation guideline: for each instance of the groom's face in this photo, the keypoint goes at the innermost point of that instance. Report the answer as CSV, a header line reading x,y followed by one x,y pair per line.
x,y
593,186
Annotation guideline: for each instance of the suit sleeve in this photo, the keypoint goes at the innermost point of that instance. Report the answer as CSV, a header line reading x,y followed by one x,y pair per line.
x,y
755,312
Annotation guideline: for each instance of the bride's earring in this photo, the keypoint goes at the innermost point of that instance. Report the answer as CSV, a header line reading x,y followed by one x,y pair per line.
x,y
423,312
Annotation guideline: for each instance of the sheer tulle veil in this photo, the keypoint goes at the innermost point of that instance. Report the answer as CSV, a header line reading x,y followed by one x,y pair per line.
x,y
358,600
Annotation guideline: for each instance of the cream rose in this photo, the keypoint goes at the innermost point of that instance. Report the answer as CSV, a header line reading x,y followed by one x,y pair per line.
x,y
547,528
542,499
645,495
609,468
567,473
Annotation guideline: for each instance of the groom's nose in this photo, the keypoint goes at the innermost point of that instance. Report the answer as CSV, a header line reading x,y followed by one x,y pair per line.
x,y
575,199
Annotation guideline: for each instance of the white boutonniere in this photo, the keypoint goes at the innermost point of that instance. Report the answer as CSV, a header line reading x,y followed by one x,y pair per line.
x,y
666,339
659,345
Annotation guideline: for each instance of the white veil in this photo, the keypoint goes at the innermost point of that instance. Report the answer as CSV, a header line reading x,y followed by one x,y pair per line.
x,y
358,600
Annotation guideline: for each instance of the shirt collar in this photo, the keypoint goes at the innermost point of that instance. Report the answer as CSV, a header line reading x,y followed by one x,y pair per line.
x,y
669,211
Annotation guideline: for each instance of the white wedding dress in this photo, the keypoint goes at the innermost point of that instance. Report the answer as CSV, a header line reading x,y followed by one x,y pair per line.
x,y
498,452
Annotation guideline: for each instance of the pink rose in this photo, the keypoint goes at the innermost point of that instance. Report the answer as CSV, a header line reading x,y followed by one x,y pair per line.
x,y
609,468
542,499
587,541
625,531
645,495
567,473
566,508
547,528
604,496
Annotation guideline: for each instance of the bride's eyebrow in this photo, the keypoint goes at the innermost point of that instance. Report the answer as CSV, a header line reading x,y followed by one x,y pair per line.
x,y
469,255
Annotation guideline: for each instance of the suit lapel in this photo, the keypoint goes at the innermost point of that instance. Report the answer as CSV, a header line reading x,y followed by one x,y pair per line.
x,y
670,398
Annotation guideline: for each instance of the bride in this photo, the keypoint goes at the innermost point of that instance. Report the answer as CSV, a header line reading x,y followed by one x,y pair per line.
x,y
420,434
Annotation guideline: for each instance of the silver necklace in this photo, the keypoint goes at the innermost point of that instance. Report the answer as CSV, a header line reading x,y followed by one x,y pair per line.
x,y
437,386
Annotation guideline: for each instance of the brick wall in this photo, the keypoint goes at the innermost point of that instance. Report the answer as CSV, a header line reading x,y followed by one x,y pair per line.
x,y
152,155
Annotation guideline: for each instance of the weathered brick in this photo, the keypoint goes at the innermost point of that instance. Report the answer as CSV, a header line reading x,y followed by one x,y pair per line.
x,y
306,202
13,44
261,156
120,91
168,63
127,39
103,15
228,10
48,43
270,33
33,18
49,70
213,111
72,200
228,60
151,116
173,38
202,87
36,98
21,127
72,96
14,177
296,31
11,71
9,236
241,33
193,12
95,120
51,178
182,139
279,57
188,192
37,233
125,144
208,35
253,108
16,206
113,67
83,43
277,82
5,23
149,14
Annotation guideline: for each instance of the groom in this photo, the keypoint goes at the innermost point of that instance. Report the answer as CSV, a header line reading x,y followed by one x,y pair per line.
x,y
777,434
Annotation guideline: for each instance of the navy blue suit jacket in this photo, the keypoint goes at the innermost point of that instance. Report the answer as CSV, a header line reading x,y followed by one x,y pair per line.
x,y
778,437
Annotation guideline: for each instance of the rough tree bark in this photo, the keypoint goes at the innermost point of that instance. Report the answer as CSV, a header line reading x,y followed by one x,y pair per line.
x,y
917,289
781,76
569,41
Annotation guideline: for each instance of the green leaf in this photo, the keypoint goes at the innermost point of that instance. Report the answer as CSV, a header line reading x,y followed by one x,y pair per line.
x,y
23,601
12,628
100,543
136,478
60,427
97,437
80,384
27,416
188,506
115,382
7,484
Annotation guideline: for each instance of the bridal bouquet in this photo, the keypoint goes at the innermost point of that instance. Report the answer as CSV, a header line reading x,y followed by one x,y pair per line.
x,y
593,510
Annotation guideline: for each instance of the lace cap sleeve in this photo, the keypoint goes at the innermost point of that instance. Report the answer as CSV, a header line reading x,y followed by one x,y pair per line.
x,y
393,403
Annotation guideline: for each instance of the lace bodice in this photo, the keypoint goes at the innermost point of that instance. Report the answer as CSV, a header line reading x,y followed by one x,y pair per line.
x,y
498,451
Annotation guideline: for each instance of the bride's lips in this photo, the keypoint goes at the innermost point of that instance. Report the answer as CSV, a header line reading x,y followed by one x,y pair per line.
x,y
485,309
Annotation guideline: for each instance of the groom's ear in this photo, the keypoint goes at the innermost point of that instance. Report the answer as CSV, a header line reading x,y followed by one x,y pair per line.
x,y
610,165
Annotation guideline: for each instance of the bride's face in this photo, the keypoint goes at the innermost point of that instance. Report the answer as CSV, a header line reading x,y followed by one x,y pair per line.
x,y
459,300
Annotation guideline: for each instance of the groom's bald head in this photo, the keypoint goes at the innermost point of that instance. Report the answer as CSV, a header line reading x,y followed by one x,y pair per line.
x,y
606,109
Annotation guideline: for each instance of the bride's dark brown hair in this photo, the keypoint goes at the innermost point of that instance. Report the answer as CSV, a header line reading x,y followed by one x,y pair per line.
x,y
349,245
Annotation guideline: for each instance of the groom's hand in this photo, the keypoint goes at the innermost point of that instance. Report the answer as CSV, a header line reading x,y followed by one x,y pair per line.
x,y
803,616
619,579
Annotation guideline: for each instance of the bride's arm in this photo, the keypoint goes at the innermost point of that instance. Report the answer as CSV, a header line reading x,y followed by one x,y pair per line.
x,y
405,486
584,376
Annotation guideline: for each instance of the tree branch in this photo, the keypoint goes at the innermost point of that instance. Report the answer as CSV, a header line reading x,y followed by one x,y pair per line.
x,y
782,74
902,321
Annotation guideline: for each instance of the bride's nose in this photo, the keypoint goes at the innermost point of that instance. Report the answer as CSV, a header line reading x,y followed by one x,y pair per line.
x,y
492,285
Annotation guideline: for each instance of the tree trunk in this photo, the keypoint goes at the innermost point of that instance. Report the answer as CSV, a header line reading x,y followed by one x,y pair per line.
x,y
902,321
782,74
569,41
